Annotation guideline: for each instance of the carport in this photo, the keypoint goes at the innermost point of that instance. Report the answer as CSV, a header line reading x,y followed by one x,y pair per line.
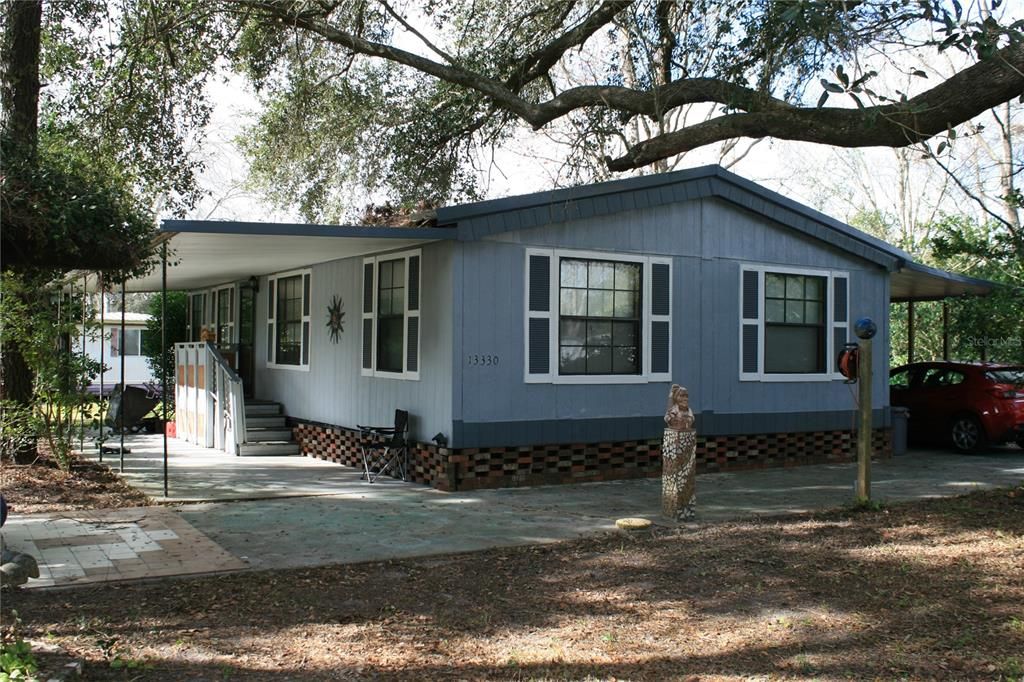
x,y
915,283
195,254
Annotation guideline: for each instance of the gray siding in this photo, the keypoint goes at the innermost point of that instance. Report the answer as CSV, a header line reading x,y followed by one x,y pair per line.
x,y
709,239
334,391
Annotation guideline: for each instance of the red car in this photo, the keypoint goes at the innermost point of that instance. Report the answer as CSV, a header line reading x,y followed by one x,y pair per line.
x,y
971,404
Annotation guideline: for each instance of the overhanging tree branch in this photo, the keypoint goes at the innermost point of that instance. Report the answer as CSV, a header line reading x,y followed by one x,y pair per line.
x,y
753,112
960,98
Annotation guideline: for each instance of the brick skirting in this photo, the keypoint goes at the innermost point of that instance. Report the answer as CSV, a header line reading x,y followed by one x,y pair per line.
x,y
505,467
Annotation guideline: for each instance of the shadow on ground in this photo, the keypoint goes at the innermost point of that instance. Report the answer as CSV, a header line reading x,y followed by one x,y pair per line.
x,y
926,590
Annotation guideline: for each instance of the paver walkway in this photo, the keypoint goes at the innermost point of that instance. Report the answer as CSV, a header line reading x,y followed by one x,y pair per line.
x,y
114,544
390,520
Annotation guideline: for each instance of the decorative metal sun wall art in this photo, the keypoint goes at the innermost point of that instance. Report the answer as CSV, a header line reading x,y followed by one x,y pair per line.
x,y
336,318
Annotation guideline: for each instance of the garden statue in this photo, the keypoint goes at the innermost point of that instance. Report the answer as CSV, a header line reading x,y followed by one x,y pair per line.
x,y
678,416
679,458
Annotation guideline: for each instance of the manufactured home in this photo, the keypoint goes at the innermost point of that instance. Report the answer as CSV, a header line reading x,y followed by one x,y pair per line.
x,y
534,339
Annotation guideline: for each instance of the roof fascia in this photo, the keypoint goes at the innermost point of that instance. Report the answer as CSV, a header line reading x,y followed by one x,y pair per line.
x,y
305,230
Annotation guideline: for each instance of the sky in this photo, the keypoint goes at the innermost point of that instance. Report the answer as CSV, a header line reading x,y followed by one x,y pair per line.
x,y
838,182
515,169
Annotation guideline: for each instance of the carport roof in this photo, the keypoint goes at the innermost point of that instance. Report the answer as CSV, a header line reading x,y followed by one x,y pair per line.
x,y
916,282
203,253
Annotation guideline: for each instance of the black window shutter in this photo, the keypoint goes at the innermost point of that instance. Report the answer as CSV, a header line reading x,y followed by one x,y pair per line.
x,y
368,287
840,305
368,343
412,361
659,347
540,283
538,296
751,302
660,287
540,352
414,282
750,349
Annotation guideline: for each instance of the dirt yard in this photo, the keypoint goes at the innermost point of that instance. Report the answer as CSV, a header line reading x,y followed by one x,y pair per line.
x,y
44,487
931,590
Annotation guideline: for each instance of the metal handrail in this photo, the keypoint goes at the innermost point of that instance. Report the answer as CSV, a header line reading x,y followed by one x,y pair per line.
x,y
219,359
229,403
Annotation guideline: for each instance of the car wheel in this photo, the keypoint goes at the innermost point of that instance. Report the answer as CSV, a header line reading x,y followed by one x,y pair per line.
x,y
967,433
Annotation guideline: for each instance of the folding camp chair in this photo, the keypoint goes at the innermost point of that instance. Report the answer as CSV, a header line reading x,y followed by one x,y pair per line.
x,y
385,450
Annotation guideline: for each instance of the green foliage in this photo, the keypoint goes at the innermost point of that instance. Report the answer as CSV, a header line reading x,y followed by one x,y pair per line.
x,y
16,660
177,332
127,81
351,112
41,323
19,429
376,131
68,209
980,328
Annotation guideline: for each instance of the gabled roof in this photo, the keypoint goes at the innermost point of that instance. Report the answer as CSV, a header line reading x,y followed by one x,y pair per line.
x,y
485,218
910,281
205,253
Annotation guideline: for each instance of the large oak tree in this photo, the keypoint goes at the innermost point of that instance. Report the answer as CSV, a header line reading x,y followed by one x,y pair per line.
x,y
391,94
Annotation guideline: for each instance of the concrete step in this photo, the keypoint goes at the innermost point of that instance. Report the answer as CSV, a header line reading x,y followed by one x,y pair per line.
x,y
270,448
262,409
254,435
264,422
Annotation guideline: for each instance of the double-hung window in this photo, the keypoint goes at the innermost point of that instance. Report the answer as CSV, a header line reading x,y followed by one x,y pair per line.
x,y
196,315
288,320
391,315
597,318
224,309
793,323
129,344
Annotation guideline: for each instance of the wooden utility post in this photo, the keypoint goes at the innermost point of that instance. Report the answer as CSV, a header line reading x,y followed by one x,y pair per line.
x,y
864,432
865,330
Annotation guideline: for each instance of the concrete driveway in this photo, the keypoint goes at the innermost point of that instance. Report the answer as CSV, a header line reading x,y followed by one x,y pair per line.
x,y
405,521
341,519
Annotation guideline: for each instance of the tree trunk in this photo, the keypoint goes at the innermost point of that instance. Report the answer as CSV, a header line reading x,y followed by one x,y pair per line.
x,y
16,387
20,65
19,99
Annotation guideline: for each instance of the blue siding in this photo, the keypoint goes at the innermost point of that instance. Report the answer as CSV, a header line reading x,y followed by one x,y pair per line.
x,y
333,391
708,239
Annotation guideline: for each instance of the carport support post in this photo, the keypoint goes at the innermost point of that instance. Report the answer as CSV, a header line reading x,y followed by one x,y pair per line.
x,y
864,431
120,350
910,331
163,350
81,411
103,366
945,329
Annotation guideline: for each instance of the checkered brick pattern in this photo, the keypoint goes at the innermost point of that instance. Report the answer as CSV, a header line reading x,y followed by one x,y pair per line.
x,y
341,445
734,453
549,464
505,467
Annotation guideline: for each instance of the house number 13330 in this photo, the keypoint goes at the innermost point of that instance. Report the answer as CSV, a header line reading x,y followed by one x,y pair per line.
x,y
481,360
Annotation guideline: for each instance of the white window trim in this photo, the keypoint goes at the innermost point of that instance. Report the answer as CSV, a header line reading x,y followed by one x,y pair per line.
x,y
553,314
272,319
206,294
830,373
233,297
405,374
